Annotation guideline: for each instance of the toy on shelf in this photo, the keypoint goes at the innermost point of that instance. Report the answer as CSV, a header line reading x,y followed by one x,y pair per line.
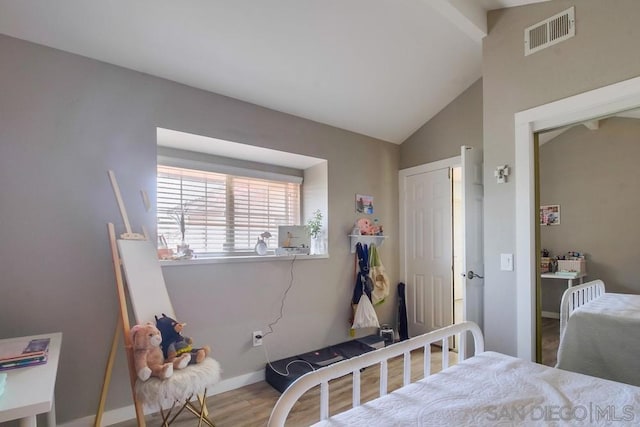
x,y
366,232
367,227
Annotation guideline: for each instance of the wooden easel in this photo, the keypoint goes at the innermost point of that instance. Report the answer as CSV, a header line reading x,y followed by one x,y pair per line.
x,y
123,318
144,278
124,326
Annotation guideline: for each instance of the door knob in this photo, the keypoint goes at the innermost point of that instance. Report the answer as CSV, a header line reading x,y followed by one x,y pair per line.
x,y
471,275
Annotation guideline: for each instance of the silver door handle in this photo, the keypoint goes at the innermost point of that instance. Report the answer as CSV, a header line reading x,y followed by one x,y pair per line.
x,y
471,275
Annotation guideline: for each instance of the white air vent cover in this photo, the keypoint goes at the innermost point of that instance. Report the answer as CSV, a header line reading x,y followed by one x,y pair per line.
x,y
550,31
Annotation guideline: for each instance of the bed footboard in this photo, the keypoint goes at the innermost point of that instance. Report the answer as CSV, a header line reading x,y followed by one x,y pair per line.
x,y
353,366
577,296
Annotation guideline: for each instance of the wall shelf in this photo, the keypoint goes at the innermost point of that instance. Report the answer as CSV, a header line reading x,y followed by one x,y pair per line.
x,y
365,240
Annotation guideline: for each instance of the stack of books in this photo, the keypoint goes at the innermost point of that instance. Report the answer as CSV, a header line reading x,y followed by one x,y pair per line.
x,y
20,354
567,274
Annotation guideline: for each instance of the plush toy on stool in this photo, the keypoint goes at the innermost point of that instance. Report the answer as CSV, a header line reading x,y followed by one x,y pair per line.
x,y
147,355
174,345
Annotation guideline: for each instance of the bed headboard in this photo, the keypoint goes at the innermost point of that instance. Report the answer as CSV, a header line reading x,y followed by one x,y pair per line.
x,y
577,296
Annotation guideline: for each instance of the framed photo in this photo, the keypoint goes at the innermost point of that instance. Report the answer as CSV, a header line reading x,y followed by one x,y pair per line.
x,y
364,204
550,215
293,236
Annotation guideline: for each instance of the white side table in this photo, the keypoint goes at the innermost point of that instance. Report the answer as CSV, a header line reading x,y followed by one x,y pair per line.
x,y
29,391
569,280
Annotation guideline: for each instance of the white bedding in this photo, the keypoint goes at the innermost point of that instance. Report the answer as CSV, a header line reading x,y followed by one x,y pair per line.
x,y
602,338
492,389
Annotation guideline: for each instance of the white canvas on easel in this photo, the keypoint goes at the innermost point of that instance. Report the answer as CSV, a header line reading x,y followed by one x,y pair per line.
x,y
149,296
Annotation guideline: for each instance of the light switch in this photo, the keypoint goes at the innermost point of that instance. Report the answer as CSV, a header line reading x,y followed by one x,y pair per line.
x,y
506,262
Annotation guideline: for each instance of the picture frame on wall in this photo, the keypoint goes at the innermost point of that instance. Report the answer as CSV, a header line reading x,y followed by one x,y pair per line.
x,y
364,204
550,215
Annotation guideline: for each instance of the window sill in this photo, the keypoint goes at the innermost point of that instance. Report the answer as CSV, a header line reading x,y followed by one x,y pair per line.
x,y
239,259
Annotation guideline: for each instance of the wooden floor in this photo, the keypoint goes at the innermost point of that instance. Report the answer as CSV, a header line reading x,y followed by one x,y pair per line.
x,y
550,340
251,405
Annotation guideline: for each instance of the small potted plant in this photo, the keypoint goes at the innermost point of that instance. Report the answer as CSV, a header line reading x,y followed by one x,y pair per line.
x,y
314,227
179,216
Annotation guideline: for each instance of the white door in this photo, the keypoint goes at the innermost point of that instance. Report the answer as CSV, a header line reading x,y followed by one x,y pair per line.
x,y
473,254
428,250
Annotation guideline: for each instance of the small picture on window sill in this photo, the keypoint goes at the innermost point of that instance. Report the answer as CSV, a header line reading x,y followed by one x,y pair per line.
x,y
550,215
293,236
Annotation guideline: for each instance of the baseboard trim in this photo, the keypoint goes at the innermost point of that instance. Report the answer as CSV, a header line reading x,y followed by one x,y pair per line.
x,y
237,382
550,314
118,415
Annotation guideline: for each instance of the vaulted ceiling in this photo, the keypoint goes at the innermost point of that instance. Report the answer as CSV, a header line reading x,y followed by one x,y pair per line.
x,y
375,67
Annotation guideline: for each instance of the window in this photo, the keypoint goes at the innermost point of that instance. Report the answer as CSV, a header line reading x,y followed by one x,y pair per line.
x,y
222,214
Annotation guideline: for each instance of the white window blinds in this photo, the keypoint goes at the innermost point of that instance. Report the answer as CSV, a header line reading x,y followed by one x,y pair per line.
x,y
223,214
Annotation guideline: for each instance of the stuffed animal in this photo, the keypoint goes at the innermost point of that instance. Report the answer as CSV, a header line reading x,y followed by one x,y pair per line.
x,y
368,228
174,345
147,354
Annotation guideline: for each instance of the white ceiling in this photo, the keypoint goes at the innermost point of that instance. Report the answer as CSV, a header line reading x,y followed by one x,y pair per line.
x,y
379,68
550,134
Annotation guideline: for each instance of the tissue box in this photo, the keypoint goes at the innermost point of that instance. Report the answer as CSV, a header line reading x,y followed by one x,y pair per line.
x,y
577,265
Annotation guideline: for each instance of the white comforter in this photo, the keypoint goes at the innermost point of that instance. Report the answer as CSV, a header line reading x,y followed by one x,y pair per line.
x,y
492,389
602,338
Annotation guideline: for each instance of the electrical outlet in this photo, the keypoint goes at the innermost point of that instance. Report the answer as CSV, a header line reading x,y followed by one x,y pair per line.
x,y
257,338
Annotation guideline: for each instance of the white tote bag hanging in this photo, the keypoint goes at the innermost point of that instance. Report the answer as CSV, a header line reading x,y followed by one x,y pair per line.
x,y
365,316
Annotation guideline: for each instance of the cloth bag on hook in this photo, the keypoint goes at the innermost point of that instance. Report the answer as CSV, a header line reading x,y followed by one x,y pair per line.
x,y
364,284
365,316
378,276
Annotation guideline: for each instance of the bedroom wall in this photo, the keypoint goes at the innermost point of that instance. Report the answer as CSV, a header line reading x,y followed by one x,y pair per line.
x,y
459,123
601,53
64,121
591,174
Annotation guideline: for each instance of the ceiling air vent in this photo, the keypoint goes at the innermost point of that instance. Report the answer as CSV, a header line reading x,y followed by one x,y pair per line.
x,y
550,31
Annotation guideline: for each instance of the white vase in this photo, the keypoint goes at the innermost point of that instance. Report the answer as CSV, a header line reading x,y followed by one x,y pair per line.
x,y
317,245
184,251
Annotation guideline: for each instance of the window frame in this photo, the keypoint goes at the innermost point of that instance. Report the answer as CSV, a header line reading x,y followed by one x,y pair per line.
x,y
201,152
234,176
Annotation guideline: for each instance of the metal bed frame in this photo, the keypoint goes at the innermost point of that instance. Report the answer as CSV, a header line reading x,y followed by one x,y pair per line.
x,y
353,366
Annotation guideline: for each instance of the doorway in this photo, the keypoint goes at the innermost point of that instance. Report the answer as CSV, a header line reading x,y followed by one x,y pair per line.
x,y
586,176
600,102
428,261
441,239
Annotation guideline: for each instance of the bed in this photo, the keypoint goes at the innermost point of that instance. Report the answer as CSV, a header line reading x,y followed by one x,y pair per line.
x,y
487,389
600,335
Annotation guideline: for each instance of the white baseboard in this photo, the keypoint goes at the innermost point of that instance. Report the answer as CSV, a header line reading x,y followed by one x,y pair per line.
x,y
550,314
118,415
237,382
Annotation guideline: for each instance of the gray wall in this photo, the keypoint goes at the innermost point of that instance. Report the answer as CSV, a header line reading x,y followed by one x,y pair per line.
x,y
459,123
593,176
64,121
604,51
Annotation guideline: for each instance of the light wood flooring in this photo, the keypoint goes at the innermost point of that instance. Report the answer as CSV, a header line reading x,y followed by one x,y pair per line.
x,y
550,340
251,405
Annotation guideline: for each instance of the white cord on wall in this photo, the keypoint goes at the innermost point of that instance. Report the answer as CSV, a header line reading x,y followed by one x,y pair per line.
x,y
272,324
